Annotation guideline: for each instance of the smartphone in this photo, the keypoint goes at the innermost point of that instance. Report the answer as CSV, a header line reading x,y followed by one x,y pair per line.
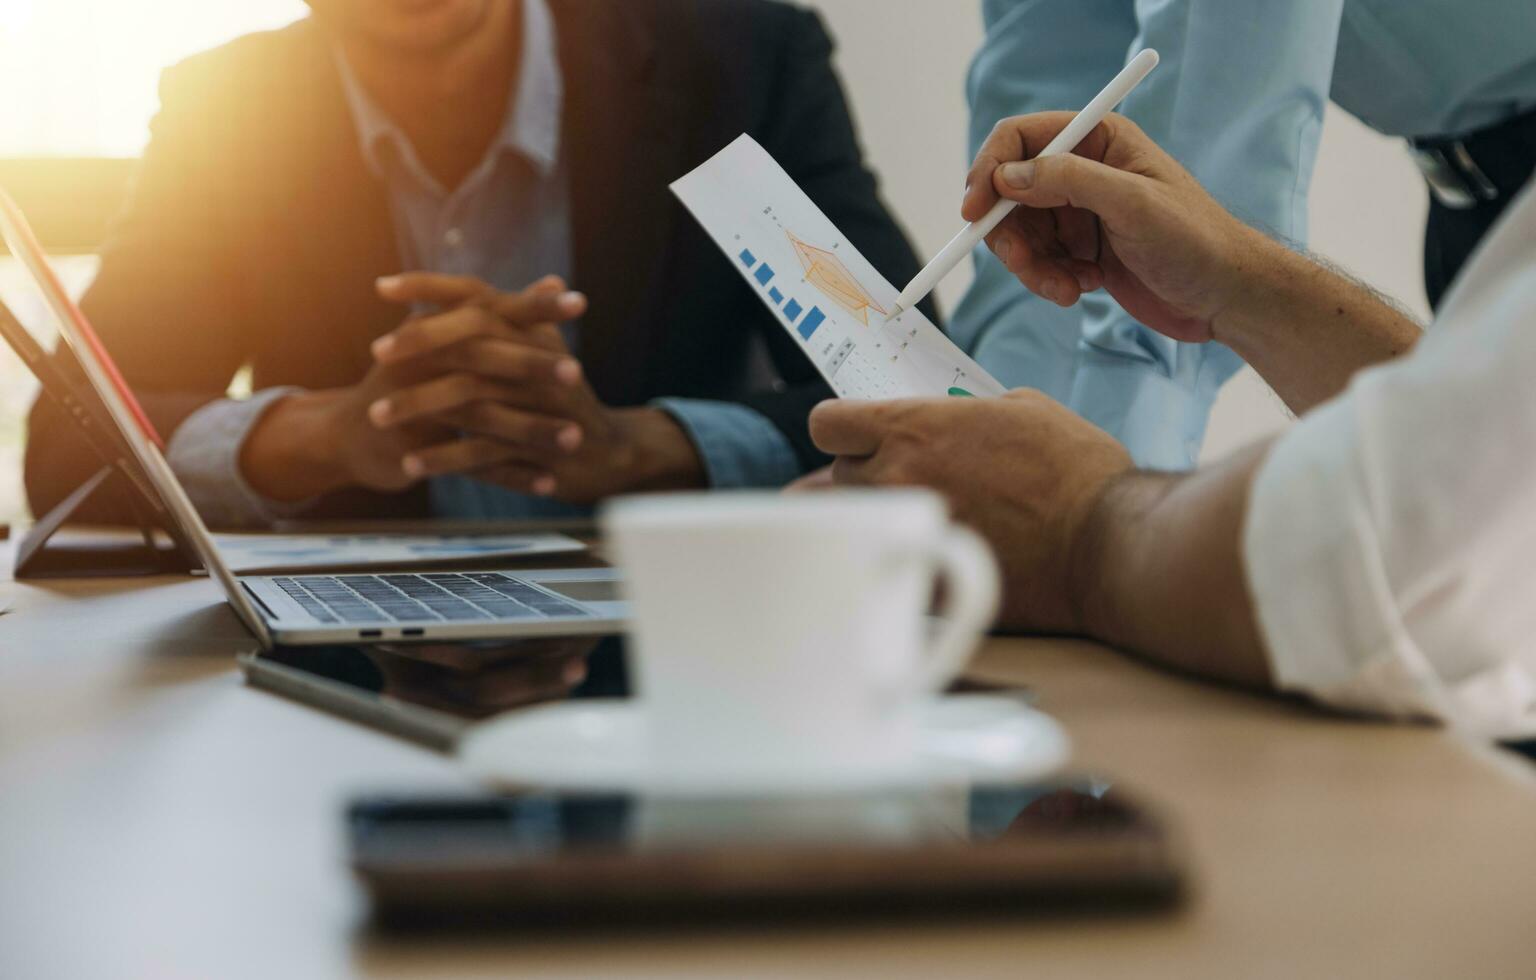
x,y
542,859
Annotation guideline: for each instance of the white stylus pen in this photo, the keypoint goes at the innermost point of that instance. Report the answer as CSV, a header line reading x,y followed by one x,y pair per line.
x,y
1065,142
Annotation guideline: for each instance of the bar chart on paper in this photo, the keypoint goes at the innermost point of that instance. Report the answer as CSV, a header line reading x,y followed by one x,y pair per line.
x,y
822,290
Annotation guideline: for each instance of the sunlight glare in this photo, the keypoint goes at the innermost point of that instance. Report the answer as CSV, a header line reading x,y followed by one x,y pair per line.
x,y
79,76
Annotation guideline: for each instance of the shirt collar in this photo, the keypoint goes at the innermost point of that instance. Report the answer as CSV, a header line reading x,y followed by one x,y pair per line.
x,y
532,124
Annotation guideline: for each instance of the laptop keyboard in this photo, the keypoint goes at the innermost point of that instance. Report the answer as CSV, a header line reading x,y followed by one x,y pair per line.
x,y
423,598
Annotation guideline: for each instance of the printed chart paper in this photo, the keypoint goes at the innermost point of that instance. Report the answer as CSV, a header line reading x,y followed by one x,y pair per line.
x,y
829,298
248,553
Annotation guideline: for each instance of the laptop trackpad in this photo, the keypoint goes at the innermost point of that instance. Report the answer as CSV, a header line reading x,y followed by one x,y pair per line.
x,y
604,591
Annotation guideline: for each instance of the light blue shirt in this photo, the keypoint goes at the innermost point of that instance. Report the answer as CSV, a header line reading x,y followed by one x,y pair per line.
x,y
509,224
1239,100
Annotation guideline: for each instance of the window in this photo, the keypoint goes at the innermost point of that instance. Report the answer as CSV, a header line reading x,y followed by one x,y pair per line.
x,y
79,76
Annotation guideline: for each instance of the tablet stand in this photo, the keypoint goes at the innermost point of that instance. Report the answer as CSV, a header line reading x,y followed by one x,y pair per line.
x,y
37,559
118,478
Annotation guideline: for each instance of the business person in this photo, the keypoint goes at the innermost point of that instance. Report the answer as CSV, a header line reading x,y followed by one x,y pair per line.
x,y
1239,101
1378,557
437,173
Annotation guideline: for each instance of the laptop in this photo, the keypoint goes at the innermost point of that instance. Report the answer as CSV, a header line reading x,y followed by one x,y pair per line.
x,y
310,609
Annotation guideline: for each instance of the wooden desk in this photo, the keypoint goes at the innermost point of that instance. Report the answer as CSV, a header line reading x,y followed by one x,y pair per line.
x,y
158,818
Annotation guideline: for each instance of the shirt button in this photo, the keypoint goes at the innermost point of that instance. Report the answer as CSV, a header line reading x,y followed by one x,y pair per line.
x,y
454,238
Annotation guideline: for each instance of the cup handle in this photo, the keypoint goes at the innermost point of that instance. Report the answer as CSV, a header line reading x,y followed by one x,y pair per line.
x,y
969,572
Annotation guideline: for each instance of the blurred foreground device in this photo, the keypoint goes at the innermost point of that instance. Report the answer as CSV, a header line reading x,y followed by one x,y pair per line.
x,y
543,860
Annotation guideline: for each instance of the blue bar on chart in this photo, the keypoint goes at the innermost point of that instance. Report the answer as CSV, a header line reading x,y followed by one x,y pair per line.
x,y
763,274
812,320
747,258
792,310
776,296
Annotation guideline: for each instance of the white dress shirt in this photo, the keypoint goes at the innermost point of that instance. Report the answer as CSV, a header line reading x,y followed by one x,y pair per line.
x,y
1391,535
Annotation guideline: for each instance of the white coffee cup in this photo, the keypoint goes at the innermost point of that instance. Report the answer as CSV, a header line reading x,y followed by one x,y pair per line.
x,y
784,639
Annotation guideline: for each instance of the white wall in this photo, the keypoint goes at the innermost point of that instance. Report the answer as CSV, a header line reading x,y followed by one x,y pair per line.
x,y
904,67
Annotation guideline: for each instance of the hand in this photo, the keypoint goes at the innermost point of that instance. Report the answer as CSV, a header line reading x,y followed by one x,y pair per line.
x,y
1122,214
1118,213
316,442
1022,470
546,432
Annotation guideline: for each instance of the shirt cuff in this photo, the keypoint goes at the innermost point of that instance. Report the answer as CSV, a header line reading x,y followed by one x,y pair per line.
x,y
740,448
205,452
1159,419
1321,595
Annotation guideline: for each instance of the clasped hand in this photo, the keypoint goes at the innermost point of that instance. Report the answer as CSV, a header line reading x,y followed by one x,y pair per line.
x,y
486,387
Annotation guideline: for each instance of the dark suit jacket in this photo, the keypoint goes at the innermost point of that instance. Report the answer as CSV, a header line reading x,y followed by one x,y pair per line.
x,y
256,230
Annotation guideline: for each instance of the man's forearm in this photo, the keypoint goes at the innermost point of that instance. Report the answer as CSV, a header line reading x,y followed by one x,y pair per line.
x,y
289,455
1305,328
1161,573
659,454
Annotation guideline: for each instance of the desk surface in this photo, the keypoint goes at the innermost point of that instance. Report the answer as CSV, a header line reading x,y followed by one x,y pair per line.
x,y
158,818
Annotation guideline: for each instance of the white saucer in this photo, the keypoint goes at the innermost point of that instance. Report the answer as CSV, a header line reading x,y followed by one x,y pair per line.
x,y
601,745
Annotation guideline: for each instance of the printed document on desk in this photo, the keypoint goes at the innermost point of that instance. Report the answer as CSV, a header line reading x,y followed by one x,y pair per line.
x,y
829,298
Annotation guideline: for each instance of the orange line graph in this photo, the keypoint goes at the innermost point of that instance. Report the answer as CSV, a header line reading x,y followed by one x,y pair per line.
x,y
826,272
